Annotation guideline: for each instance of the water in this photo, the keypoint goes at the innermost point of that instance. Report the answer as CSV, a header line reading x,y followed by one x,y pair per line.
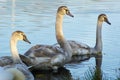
x,y
37,19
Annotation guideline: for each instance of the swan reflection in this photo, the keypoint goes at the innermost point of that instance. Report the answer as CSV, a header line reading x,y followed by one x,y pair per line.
x,y
62,74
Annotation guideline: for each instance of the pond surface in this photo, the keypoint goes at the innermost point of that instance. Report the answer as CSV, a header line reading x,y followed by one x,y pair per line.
x,y
37,19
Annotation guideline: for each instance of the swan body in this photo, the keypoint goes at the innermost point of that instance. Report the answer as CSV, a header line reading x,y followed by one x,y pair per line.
x,y
79,48
8,60
98,46
83,51
45,54
51,55
18,69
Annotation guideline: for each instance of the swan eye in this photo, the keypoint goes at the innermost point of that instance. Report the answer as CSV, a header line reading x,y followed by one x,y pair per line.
x,y
22,34
105,18
67,11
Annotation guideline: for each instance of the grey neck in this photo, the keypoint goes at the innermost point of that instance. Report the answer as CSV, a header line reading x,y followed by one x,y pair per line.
x,y
14,51
98,46
60,38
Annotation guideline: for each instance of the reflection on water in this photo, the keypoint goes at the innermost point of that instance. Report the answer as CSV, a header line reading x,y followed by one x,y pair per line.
x,y
62,74
95,73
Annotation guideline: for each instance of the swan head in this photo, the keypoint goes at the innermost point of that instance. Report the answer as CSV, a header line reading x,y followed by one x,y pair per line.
x,y
63,10
103,18
19,35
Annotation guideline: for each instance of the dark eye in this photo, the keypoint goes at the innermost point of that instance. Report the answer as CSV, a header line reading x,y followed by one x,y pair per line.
x,y
66,10
22,34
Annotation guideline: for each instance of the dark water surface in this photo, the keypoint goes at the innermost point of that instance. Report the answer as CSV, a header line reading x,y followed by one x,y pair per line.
x,y
37,19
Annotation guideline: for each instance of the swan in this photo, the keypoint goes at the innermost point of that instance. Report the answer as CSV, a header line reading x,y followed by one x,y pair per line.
x,y
83,49
17,70
50,54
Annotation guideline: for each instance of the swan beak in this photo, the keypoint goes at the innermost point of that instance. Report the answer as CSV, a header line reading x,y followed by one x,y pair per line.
x,y
25,39
106,20
68,13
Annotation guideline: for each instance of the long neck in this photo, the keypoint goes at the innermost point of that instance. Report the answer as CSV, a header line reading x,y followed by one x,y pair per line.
x,y
60,38
59,31
98,45
14,51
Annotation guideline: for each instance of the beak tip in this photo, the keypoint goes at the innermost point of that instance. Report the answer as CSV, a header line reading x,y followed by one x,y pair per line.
x,y
109,23
72,16
29,42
